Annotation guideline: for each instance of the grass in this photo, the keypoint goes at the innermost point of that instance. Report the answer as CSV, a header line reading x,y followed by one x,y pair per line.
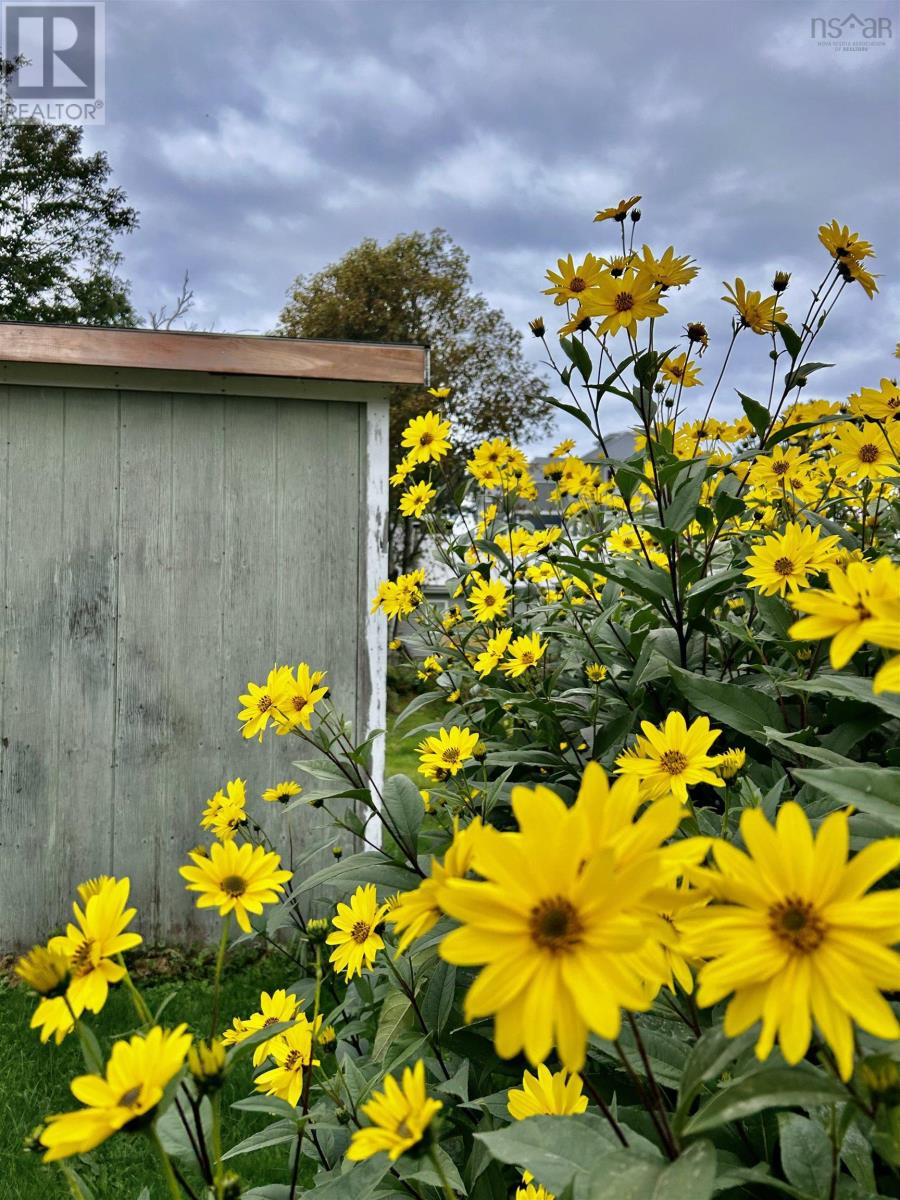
x,y
34,1081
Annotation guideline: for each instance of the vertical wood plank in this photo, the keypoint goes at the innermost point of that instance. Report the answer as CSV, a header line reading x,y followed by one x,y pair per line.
x,y
374,442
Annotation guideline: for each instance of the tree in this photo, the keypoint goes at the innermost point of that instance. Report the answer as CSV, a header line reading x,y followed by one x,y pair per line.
x,y
59,219
417,288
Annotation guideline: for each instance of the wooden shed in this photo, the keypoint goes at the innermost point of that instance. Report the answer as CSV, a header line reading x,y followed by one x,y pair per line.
x,y
179,512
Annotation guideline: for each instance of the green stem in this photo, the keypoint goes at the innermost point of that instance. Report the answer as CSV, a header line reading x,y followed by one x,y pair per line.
x,y
445,1182
169,1175
217,982
140,1005
72,1181
216,1104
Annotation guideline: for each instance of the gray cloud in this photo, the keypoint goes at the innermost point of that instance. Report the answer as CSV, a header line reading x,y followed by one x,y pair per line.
x,y
262,138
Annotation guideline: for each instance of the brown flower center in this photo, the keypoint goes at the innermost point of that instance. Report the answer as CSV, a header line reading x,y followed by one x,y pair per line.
x,y
673,761
360,932
130,1098
234,885
577,284
555,925
797,923
292,1060
784,566
425,439
624,302
868,453
270,1021
81,959
450,755
264,703
780,468
527,658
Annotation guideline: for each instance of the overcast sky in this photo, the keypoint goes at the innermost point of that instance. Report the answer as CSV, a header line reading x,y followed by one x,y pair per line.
x,y
262,138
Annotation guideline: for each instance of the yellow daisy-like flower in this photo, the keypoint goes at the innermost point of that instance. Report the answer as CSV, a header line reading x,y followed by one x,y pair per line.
x,y
566,446
236,798
545,1094
887,679
229,818
416,913
754,312
89,945
404,468
625,539
302,692
670,758
136,1077
53,1017
260,703
596,672
426,438
841,243
618,211
400,1117
282,792
623,301
236,878
206,1063
795,936
864,452
879,404
45,971
533,1191
524,653
356,938
293,1052
448,751
489,599
678,370
861,597
570,282
670,270
91,887
851,270
732,761
275,1009
551,926
416,499
489,658
785,561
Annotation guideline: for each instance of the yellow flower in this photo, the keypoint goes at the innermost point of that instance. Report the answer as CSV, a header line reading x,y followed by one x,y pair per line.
x,y
440,393
206,1063
259,703
416,913
301,695
400,598
618,211
275,1009
91,887
841,243
533,1191
356,936
556,1095
679,371
448,751
327,1037
570,282
489,599
864,452
623,301
886,680
236,878
400,1117
670,758
550,925
282,792
236,799
625,539
863,596
595,672
795,937
731,762
489,658
524,653
854,272
53,1016
566,446
754,312
416,499
426,438
44,970
668,271
880,404
136,1077
293,1054
784,561
227,821
90,945
404,468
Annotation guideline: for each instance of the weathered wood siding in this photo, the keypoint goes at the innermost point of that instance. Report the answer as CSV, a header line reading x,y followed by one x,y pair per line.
x,y
159,550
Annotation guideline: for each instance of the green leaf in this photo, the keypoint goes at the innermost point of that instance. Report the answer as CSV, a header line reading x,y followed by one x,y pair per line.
x,y
873,790
395,1015
366,867
848,687
683,508
803,373
801,750
276,1134
772,1087
173,1135
421,1170
356,1183
437,1000
691,1177
791,339
757,415
709,1056
805,1154
622,1175
554,1149
749,712
404,806
575,350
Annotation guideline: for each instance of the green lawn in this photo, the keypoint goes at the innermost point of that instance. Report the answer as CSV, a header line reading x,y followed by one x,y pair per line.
x,y
400,750
34,1081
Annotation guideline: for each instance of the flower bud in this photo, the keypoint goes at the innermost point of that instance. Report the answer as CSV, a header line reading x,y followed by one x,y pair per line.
x,y
537,327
